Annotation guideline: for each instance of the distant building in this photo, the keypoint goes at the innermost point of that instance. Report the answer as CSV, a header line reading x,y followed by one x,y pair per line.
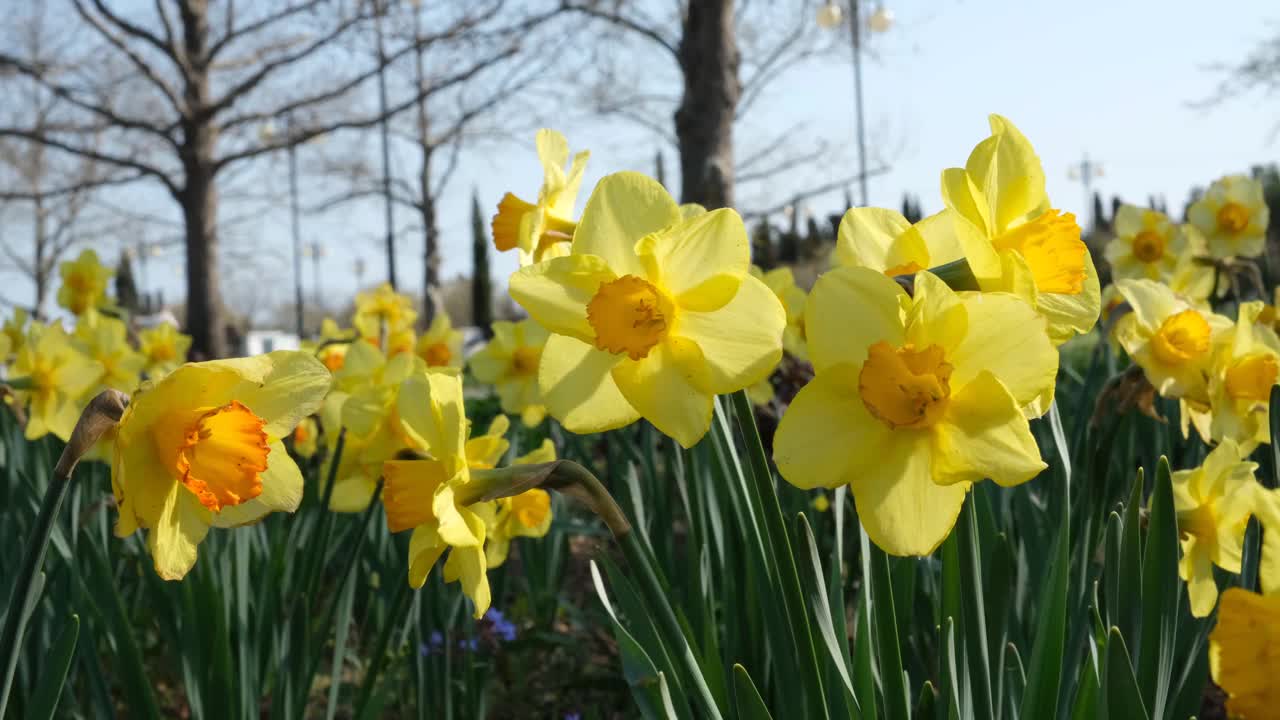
x,y
257,342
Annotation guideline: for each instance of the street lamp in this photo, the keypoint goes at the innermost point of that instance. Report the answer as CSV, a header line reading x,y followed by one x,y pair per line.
x,y
1085,172
831,16
268,132
315,251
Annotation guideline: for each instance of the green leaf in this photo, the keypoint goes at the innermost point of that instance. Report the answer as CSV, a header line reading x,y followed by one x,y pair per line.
x,y
1041,697
648,686
888,651
44,701
1130,596
1161,595
1121,698
750,704
974,633
816,588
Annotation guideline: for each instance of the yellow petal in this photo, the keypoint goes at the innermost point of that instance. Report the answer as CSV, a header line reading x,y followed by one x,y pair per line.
x,y
180,527
667,389
838,336
623,208
702,261
577,385
556,292
425,548
827,437
937,315
902,509
282,487
1006,337
1202,589
1008,171
468,567
431,408
741,342
961,194
985,435
867,235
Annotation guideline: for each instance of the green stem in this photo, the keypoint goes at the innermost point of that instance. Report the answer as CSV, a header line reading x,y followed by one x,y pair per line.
x,y
379,657
656,598
24,588
766,496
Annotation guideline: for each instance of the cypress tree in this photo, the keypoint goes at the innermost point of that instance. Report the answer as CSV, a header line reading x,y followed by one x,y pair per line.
x,y
126,286
481,287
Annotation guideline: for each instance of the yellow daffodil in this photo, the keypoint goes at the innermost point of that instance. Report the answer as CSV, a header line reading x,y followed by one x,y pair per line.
x,y
1191,278
1240,381
1213,502
306,437
365,401
441,344
331,347
509,362
164,347
15,330
105,340
914,399
58,375
201,448
887,242
6,348
651,315
1038,250
783,284
84,283
1267,509
1147,244
383,312
525,515
1172,341
1243,655
542,230
820,502
422,495
1232,215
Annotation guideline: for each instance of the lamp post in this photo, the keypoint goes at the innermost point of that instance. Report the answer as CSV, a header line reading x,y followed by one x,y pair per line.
x,y
315,251
830,16
268,132
1085,172
380,9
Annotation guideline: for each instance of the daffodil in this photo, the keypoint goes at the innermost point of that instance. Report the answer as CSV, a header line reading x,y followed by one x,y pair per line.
x,y
1243,372
201,448
1191,278
1213,502
1233,217
820,502
105,339
1147,244
651,315
887,242
1037,249
15,330
1172,341
164,347
1267,509
543,230
423,495
1242,653
306,437
783,284
57,376
441,344
84,283
383,312
331,347
509,362
525,515
365,401
915,399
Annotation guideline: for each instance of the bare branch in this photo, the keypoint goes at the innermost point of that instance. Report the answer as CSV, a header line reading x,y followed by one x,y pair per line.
x,y
233,33
72,189
616,18
812,192
142,66
92,154
138,32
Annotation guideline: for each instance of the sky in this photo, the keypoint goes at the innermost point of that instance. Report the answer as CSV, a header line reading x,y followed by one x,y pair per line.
x,y
1115,81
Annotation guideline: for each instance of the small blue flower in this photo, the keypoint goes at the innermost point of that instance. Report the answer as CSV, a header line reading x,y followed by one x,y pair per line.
x,y
435,639
502,627
573,716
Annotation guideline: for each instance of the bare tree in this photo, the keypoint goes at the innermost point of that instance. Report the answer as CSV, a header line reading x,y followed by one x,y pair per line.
x,y
1259,71
199,84
726,55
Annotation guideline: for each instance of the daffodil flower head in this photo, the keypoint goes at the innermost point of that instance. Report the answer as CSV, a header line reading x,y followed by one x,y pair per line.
x,y
1191,278
423,495
887,242
1244,370
1147,244
15,329
1038,252
915,399
202,448
331,348
1233,216
59,376
1213,503
164,348
383,312
306,437
1242,653
782,282
1171,340
441,344
509,362
105,340
84,283
543,230
651,315
525,515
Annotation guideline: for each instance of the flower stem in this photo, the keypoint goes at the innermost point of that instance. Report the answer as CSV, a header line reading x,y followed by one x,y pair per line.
x,y
766,497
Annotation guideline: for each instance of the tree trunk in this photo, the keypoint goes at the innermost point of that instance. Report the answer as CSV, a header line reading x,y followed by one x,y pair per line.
x,y
426,199
204,301
199,194
704,120
39,271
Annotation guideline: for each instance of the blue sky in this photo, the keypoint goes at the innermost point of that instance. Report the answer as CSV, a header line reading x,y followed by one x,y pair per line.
x,y
1112,79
